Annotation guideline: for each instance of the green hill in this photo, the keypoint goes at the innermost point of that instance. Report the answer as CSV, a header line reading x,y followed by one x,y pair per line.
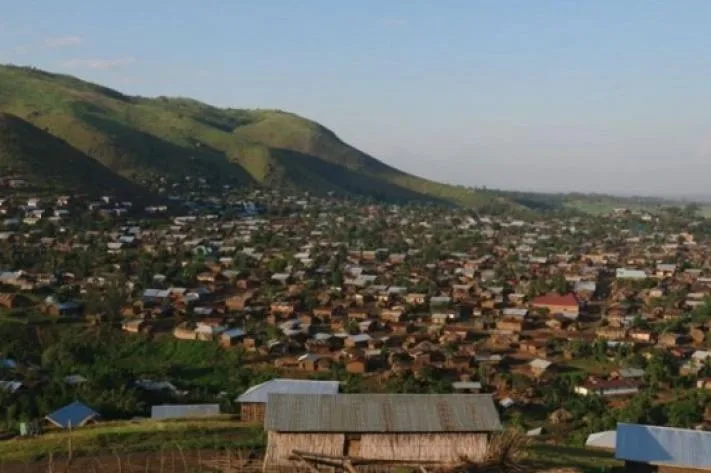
x,y
48,163
142,139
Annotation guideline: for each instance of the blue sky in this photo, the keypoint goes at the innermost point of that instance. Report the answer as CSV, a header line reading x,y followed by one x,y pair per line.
x,y
609,96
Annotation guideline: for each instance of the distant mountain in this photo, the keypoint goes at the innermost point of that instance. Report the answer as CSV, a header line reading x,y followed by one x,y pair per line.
x,y
45,162
142,139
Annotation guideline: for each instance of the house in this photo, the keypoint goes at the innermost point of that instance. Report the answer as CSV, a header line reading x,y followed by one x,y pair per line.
x,y
539,366
629,373
608,388
10,387
64,309
473,387
357,365
134,325
651,449
625,273
409,428
605,440
557,304
611,333
314,362
671,339
75,380
253,401
704,383
184,411
514,325
73,415
358,340
232,337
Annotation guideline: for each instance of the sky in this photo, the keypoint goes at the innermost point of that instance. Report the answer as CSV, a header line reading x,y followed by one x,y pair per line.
x,y
594,96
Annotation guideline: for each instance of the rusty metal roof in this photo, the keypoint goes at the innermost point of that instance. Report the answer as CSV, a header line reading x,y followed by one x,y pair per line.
x,y
381,413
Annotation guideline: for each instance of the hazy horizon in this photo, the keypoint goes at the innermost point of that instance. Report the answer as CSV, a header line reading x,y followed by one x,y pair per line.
x,y
554,96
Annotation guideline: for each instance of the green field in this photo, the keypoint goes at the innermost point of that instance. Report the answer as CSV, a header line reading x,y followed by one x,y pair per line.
x,y
544,456
123,438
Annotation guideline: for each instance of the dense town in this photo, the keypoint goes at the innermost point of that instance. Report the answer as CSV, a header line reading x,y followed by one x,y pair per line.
x,y
570,322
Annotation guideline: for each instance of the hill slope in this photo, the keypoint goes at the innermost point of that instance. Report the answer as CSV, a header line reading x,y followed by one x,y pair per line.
x,y
46,162
142,139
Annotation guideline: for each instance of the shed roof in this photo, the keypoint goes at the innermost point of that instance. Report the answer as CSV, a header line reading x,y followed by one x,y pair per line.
x,y
260,392
381,413
663,445
75,414
567,300
178,411
605,439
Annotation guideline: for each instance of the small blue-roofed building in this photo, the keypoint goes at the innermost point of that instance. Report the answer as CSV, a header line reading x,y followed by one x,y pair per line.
x,y
254,400
76,414
232,337
184,411
651,449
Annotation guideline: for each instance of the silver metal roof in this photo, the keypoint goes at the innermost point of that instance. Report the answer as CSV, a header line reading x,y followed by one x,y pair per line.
x,y
663,445
605,439
381,413
181,411
260,392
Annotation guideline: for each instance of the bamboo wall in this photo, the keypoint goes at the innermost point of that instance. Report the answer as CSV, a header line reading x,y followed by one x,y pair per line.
x,y
436,447
252,412
281,444
440,447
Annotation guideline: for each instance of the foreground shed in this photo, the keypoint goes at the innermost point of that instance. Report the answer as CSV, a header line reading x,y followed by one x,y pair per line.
x,y
392,428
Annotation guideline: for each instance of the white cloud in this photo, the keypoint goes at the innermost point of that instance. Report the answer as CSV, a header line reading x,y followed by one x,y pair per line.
x,y
62,41
98,63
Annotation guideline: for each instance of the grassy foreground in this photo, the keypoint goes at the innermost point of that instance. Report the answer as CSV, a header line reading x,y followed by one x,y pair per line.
x,y
544,457
135,436
225,433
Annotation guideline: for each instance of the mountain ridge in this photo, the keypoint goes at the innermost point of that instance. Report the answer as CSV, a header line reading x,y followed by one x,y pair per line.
x,y
141,139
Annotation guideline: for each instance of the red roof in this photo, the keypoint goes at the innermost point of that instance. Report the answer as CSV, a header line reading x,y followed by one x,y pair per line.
x,y
553,299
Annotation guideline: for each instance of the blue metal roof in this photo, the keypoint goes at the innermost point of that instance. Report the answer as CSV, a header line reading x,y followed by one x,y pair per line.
x,y
178,411
663,445
234,333
260,392
75,414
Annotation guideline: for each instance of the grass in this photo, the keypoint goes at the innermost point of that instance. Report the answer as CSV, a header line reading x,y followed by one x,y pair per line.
x,y
135,436
140,138
223,433
48,163
592,366
544,456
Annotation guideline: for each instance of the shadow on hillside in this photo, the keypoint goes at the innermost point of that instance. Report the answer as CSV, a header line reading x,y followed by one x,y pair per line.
x,y
137,150
307,170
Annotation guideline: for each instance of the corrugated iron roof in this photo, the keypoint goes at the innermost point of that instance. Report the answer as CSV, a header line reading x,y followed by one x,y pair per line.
x,y
381,413
75,414
663,445
179,411
260,392
605,439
